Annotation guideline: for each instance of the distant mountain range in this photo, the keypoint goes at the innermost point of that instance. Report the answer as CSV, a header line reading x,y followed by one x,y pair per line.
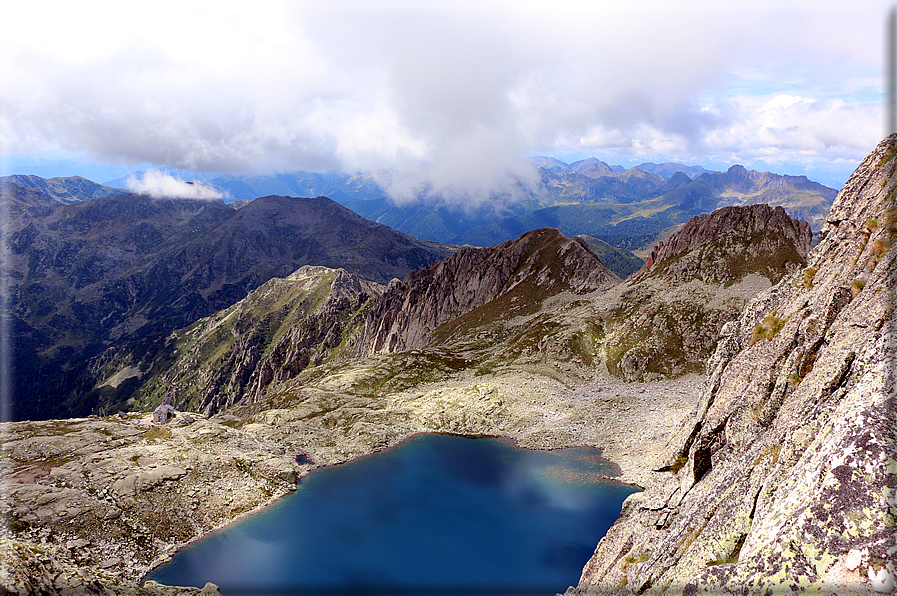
x,y
131,269
631,209
627,208
637,203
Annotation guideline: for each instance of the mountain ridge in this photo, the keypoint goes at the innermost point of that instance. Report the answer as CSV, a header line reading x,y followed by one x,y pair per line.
x,y
637,202
132,268
65,189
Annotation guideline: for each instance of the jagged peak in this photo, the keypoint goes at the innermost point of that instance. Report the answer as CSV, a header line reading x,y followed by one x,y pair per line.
x,y
738,170
513,278
746,220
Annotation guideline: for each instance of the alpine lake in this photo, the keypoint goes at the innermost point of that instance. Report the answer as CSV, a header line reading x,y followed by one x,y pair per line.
x,y
437,514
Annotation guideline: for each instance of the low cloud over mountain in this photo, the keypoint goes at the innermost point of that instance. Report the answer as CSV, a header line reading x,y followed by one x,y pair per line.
x,y
161,185
446,95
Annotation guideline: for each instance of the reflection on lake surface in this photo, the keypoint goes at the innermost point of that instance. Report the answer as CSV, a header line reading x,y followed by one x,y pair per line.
x,y
437,514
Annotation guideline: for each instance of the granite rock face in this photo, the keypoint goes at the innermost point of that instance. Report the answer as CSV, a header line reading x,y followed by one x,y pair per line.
x,y
30,570
784,479
90,505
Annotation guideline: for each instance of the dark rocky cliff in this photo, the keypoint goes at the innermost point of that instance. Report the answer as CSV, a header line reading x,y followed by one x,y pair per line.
x,y
784,478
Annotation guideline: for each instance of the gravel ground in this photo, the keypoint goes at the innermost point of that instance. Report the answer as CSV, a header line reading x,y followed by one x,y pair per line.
x,y
632,422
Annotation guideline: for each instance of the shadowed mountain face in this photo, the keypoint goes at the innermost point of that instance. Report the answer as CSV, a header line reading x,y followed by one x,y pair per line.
x,y
279,329
131,269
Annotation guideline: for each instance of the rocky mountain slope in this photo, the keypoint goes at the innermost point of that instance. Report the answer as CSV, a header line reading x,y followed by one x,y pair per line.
x,y
762,231
541,298
277,331
480,286
127,270
319,314
664,321
784,478
64,190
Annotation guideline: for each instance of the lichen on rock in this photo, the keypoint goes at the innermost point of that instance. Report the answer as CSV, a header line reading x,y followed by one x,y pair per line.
x,y
790,470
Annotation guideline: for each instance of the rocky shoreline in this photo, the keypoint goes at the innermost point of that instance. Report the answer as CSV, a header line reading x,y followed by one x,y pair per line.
x,y
100,502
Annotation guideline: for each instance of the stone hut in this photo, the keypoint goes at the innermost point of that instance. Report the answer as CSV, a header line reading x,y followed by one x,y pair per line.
x,y
163,413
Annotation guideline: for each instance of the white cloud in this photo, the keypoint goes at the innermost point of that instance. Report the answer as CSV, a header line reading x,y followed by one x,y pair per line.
x,y
798,129
161,185
466,87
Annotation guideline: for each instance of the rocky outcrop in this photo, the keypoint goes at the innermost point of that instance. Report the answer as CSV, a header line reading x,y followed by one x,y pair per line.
x,y
784,478
270,336
36,570
665,320
764,232
481,285
90,505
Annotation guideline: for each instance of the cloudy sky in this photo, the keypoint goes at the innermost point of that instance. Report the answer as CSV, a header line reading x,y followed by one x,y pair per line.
x,y
450,93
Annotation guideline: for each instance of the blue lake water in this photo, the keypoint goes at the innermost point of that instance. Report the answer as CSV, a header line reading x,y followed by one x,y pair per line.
x,y
437,514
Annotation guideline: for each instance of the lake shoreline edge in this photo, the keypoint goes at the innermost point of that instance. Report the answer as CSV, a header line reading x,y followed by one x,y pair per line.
x,y
303,473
